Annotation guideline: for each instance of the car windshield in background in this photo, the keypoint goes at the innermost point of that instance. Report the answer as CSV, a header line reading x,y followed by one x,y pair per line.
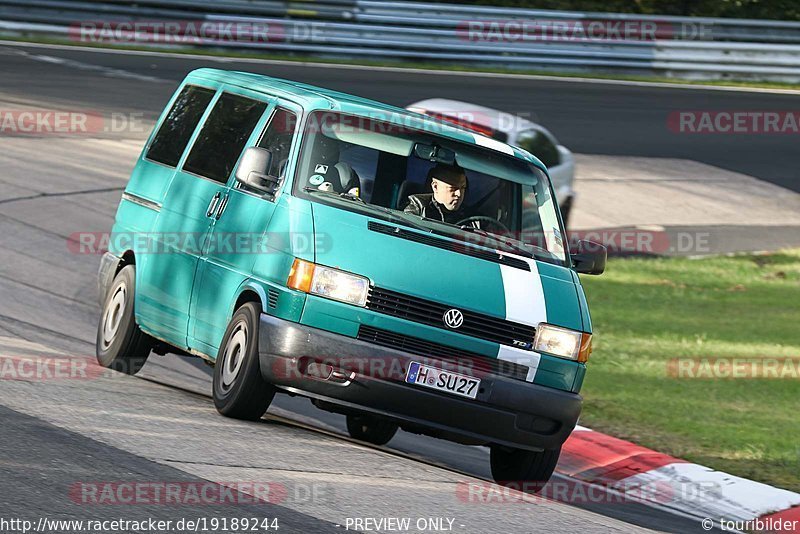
x,y
378,166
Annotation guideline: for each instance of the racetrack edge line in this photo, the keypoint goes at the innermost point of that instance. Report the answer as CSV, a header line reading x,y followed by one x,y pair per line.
x,y
415,70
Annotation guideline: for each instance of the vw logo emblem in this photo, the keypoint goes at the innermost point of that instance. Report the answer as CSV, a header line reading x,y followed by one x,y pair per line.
x,y
453,318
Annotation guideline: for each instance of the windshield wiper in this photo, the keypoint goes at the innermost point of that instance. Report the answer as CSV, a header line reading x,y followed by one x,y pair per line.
x,y
542,254
497,238
401,215
348,196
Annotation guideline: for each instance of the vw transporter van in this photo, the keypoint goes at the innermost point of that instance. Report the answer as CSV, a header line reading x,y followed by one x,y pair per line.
x,y
296,239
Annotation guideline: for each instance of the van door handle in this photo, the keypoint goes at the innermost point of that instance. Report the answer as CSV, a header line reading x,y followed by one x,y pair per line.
x,y
221,207
212,205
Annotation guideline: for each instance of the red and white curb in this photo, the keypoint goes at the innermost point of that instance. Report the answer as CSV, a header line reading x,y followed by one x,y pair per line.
x,y
672,483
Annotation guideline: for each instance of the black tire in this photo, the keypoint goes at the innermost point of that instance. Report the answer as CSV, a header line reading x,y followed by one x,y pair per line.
x,y
370,429
239,390
530,469
120,344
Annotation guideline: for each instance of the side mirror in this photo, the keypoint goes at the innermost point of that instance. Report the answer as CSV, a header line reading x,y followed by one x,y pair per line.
x,y
589,258
252,170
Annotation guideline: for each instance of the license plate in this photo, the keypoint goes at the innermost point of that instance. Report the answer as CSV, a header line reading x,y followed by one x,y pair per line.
x,y
433,378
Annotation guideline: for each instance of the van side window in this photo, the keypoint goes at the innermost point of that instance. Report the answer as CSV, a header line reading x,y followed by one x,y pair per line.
x,y
538,144
179,124
223,136
277,138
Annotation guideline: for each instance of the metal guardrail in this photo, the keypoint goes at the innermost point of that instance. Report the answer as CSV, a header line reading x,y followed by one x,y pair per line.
x,y
700,48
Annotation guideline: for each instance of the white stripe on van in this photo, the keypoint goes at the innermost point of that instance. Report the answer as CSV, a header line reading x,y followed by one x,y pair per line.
x,y
494,144
525,305
524,294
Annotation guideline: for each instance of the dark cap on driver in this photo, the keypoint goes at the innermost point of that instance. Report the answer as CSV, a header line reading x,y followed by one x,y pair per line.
x,y
449,174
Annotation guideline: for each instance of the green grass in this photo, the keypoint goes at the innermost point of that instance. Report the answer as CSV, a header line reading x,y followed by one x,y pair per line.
x,y
647,311
441,66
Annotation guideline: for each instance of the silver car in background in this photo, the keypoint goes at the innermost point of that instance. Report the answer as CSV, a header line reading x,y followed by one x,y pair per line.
x,y
514,130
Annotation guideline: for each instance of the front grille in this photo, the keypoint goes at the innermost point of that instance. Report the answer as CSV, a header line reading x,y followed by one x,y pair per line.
x,y
459,358
432,313
461,248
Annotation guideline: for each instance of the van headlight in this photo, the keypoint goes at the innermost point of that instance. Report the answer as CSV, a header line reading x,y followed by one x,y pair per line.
x,y
563,342
328,282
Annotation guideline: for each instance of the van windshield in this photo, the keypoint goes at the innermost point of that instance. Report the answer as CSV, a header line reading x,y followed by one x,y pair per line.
x,y
431,183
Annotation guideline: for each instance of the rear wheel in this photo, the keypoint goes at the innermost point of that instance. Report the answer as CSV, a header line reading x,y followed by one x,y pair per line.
x,y
517,466
239,390
120,344
370,429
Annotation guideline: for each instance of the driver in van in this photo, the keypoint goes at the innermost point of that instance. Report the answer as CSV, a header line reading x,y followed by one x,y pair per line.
x,y
449,188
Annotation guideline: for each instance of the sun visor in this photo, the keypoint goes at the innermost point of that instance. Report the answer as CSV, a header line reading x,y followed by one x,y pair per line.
x,y
362,137
497,165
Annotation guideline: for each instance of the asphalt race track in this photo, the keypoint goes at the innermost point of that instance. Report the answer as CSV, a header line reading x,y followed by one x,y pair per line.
x,y
589,118
160,426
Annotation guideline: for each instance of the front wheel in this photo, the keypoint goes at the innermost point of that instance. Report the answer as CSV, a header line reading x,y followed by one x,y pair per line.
x,y
370,429
514,466
120,343
238,388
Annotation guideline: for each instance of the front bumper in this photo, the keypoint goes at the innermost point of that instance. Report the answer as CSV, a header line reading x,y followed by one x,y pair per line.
x,y
371,378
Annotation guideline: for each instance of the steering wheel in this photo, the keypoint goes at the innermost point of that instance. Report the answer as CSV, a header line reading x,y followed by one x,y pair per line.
x,y
484,219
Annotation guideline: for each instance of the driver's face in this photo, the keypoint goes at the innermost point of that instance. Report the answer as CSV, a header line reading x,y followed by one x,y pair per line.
x,y
449,195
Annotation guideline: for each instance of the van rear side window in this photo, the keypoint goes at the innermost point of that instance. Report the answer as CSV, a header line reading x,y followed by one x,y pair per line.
x,y
223,136
178,126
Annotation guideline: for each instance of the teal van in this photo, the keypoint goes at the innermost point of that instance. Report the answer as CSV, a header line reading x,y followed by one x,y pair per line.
x,y
266,229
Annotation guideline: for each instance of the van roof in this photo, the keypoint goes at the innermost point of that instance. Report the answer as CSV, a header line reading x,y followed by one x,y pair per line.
x,y
315,98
